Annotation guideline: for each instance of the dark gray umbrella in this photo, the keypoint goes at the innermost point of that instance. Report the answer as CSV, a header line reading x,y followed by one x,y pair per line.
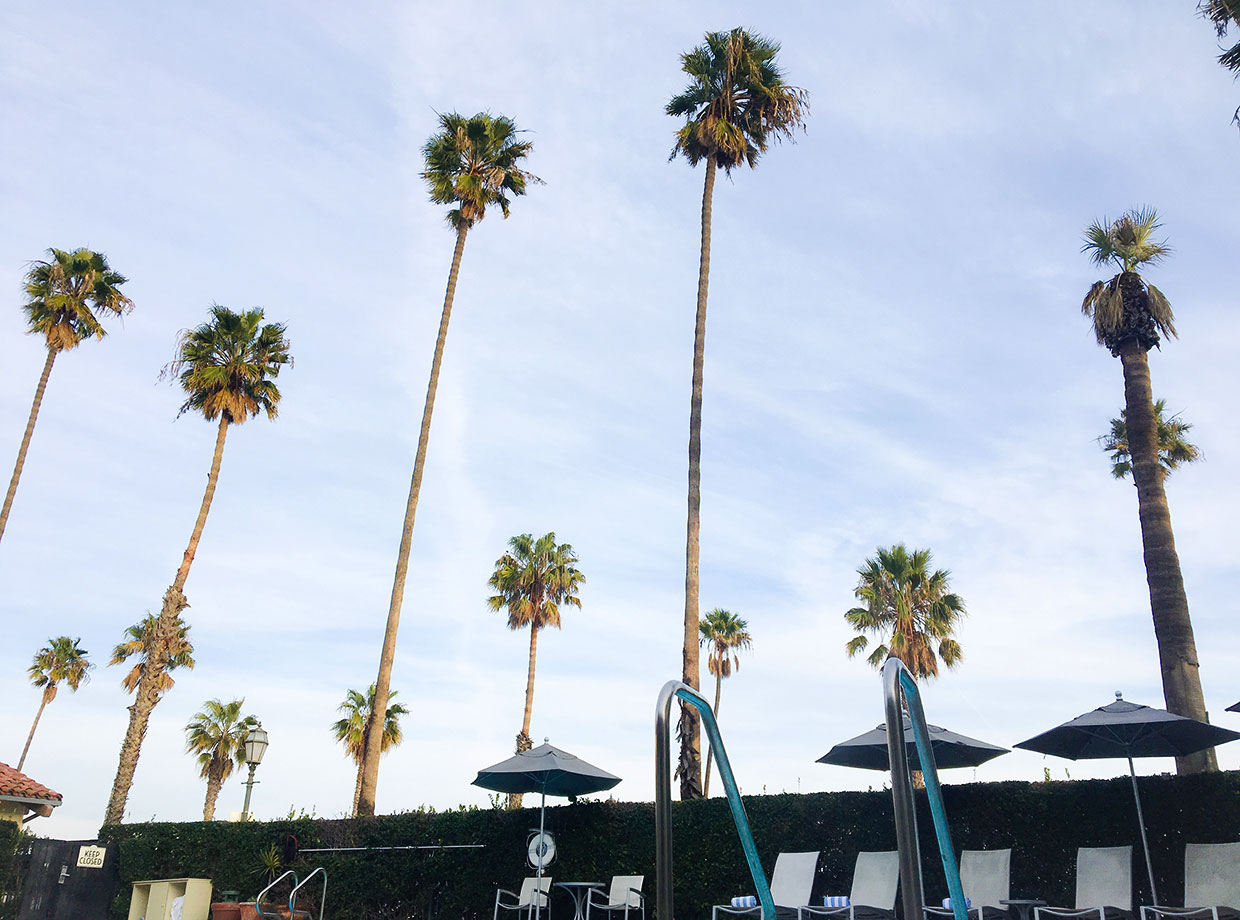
x,y
548,770
869,751
1235,707
1124,729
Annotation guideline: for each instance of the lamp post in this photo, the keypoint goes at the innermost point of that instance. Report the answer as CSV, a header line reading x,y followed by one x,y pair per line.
x,y
255,747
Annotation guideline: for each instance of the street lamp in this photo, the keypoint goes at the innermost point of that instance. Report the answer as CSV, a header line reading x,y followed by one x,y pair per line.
x,y
255,745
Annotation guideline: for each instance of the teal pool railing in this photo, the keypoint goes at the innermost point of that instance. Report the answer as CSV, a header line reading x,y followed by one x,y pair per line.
x,y
671,691
898,682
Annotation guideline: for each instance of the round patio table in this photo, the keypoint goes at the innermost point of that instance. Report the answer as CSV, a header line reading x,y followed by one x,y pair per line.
x,y
580,891
1024,906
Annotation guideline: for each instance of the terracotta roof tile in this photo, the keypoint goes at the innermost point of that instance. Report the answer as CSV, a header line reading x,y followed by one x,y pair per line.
x,y
15,783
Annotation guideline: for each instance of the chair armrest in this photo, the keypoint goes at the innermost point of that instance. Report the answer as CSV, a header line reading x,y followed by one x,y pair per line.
x,y
813,911
1177,911
1065,912
736,911
512,894
637,891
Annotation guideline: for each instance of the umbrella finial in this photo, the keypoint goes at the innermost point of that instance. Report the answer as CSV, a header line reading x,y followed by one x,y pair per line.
x,y
546,739
1119,694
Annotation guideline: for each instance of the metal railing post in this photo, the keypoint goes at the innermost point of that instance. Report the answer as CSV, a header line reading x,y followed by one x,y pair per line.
x,y
674,689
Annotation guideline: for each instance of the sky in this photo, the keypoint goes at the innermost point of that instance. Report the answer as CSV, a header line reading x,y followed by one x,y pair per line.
x,y
894,354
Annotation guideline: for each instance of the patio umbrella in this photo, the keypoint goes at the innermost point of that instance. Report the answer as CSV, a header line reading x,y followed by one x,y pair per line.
x,y
1124,729
869,751
550,771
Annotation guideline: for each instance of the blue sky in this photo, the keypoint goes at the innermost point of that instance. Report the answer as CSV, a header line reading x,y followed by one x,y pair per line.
x,y
894,353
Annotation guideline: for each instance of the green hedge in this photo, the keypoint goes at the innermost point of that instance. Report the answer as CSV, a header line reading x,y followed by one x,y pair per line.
x,y
1043,823
10,836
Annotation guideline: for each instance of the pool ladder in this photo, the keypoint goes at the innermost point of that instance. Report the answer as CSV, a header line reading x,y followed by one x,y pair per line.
x,y
293,912
897,683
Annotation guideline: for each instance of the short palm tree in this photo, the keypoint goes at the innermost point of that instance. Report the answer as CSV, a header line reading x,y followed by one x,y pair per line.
x,y
351,730
471,164
1129,315
216,735
62,660
227,367
736,103
66,297
139,638
532,580
726,634
1174,448
910,608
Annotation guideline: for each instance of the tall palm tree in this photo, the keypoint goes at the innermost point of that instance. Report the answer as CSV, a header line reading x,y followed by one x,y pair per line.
x,y
351,730
471,164
1174,448
227,367
726,634
66,297
1128,315
62,660
216,735
139,639
910,608
736,103
532,580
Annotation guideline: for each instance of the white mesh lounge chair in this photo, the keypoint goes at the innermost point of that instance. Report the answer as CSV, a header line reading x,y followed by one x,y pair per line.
x,y
1103,886
531,887
985,876
1211,884
792,882
625,895
875,880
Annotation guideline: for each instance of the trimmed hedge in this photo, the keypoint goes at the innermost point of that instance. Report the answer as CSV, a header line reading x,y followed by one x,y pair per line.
x,y
10,836
1043,823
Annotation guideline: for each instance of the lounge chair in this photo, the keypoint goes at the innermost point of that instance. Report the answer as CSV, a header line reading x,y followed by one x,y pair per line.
x,y
625,895
875,879
1211,880
525,901
985,876
792,882
1103,886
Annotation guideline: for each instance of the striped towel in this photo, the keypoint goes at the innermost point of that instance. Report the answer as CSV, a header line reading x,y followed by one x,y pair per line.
x,y
839,901
947,903
745,901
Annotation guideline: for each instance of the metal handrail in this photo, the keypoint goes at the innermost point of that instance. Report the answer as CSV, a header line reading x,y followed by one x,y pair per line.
x,y
292,895
897,681
258,902
663,798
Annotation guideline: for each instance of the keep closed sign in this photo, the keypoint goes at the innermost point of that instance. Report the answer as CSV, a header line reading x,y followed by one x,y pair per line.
x,y
91,857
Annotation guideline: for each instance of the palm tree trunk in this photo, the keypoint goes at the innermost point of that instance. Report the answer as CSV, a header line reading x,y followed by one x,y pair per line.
x,y
357,790
1173,629
21,453
153,666
146,695
523,739
30,737
212,478
214,782
690,765
370,759
710,752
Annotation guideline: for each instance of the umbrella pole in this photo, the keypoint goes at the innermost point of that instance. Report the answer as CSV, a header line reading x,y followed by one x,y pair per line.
x,y
542,820
1149,865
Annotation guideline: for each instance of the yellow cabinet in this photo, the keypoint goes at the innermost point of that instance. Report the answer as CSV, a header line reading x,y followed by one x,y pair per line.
x,y
152,900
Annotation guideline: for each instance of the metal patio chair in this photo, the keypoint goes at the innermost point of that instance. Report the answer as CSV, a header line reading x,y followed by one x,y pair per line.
x,y
985,876
792,883
1103,886
876,877
625,895
1211,881
534,891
